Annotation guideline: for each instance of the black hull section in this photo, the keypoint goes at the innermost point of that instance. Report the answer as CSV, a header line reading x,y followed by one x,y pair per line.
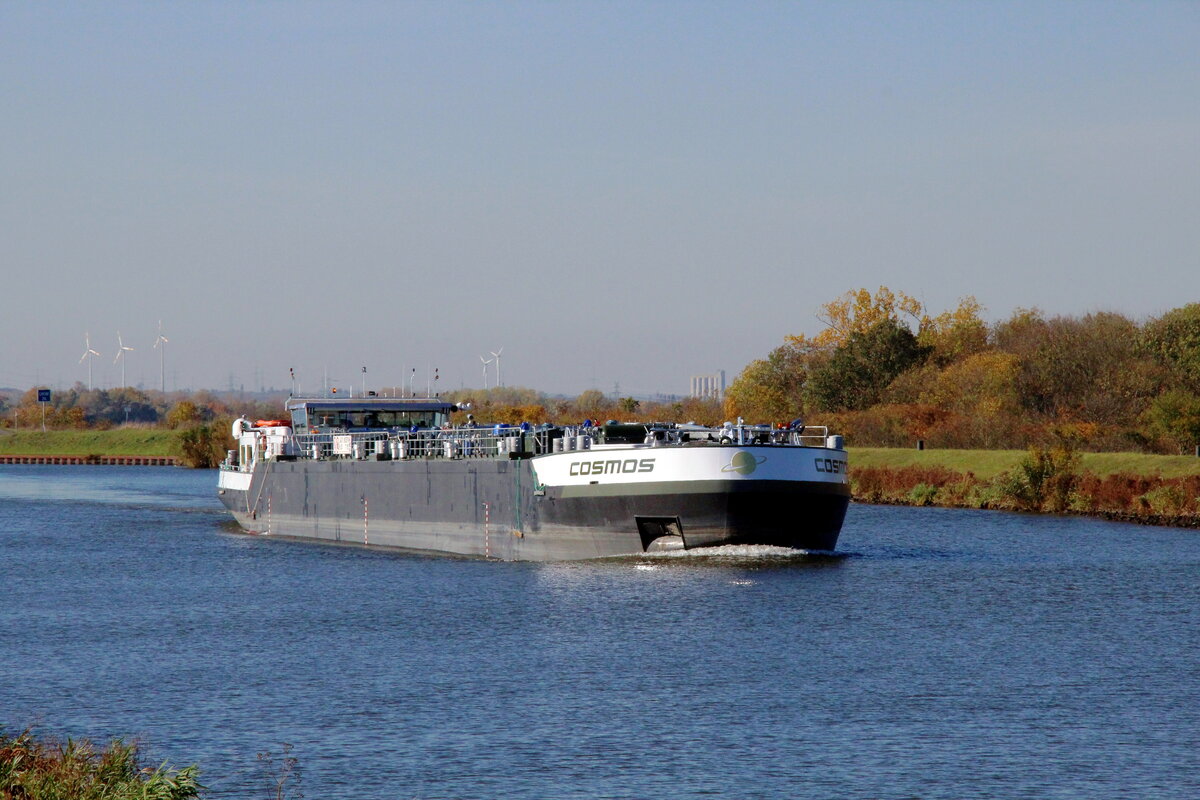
x,y
800,515
492,508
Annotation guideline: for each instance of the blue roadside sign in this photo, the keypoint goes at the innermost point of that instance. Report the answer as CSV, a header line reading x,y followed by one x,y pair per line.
x,y
43,395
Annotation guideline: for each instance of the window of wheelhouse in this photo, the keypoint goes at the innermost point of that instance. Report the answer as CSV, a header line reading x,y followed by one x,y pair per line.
x,y
367,419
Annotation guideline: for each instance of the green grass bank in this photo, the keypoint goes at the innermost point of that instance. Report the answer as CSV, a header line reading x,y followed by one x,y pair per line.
x,y
987,464
113,442
1148,489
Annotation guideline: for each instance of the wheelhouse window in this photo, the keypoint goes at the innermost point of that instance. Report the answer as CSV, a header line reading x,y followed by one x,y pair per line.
x,y
369,419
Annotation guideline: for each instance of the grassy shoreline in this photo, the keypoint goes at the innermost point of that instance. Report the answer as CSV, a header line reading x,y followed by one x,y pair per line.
x,y
991,463
1129,487
113,442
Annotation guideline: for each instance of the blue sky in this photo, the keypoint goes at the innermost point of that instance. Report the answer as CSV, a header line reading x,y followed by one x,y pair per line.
x,y
615,193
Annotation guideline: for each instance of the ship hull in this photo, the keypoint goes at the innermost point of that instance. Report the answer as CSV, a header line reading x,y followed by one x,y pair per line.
x,y
533,509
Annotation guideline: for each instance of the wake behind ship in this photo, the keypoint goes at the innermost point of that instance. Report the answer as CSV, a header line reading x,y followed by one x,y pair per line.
x,y
394,472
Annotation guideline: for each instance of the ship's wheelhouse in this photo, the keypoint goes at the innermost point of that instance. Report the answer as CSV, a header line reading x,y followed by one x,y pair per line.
x,y
367,414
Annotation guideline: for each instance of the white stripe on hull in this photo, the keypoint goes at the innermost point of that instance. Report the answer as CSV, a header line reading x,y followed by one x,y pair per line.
x,y
661,464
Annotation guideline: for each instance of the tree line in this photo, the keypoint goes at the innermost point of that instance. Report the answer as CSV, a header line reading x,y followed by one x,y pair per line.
x,y
886,372
81,408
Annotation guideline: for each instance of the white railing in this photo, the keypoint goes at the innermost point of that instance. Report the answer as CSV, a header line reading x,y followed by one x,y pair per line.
x,y
447,443
499,442
741,434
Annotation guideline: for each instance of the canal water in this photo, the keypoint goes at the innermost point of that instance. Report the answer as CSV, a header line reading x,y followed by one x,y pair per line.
x,y
941,654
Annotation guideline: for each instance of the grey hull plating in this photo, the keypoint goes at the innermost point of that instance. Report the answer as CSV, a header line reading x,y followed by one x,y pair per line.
x,y
492,508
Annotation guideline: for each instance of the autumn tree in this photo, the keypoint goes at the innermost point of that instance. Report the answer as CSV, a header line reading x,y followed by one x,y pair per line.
x,y
949,336
770,388
183,414
1173,340
701,410
58,414
955,335
874,337
628,405
969,403
984,385
203,446
592,403
858,311
860,369
1175,416
1087,368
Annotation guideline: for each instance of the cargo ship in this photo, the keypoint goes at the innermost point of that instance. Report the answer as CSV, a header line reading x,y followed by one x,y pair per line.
x,y
395,472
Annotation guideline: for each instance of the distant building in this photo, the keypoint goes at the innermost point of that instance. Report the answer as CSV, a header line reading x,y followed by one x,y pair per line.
x,y
712,386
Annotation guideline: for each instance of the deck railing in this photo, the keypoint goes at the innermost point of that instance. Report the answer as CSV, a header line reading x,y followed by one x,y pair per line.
x,y
448,443
498,442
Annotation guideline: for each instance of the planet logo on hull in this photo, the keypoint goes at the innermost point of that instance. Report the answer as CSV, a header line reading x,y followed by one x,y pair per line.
x,y
743,463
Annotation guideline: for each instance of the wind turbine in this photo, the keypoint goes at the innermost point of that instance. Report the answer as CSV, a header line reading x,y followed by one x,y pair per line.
x,y
88,353
485,361
121,349
161,344
497,356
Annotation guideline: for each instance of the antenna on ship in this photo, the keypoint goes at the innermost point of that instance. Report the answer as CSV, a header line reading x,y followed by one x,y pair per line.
x,y
411,378
161,344
121,350
364,394
497,355
88,353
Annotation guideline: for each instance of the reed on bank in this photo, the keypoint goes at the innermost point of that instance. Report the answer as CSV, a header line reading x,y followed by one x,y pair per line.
x,y
45,769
